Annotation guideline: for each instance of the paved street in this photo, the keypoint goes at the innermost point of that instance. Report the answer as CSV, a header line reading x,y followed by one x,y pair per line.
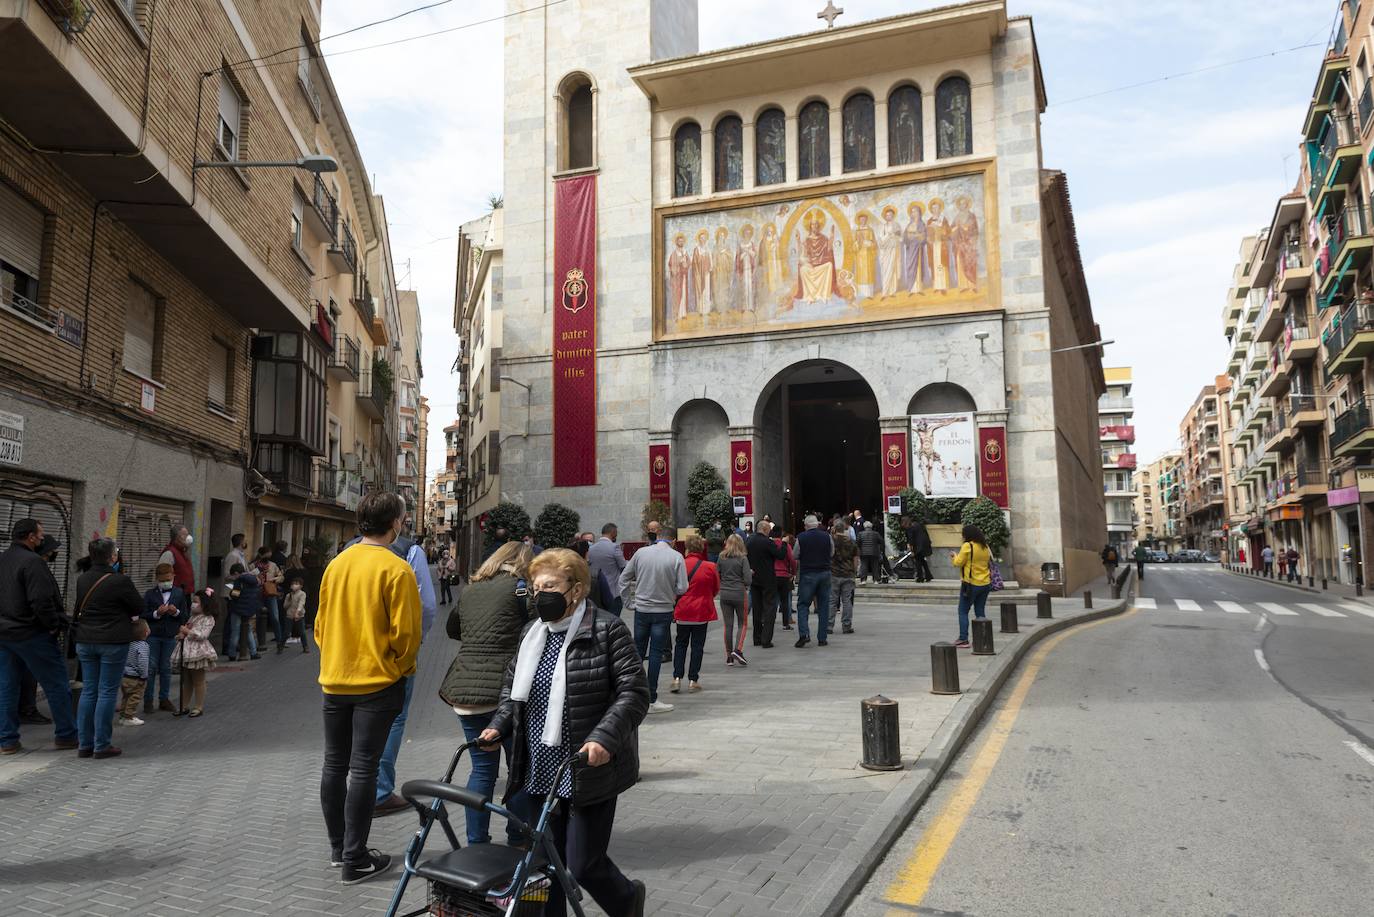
x,y
751,789
1206,754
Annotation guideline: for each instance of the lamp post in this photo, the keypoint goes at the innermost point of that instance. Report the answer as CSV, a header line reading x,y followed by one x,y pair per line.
x,y
312,163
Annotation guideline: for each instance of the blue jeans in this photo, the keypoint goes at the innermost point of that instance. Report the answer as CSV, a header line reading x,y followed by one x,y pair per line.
x,y
277,617
386,768
160,665
651,639
102,669
975,597
486,766
42,657
235,622
814,585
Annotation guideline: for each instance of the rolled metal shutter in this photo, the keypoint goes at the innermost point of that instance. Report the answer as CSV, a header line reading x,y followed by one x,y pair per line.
x,y
144,529
50,501
21,232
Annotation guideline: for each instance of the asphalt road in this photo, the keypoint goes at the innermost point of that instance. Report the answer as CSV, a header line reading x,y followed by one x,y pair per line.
x,y
1189,758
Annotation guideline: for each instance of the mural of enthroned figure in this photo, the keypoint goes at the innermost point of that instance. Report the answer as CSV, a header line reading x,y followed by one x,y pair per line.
x,y
816,281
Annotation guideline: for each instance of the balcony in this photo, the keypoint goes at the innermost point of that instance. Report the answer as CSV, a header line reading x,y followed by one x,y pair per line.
x,y
1305,410
1107,405
1347,247
372,398
1272,382
327,481
1118,433
323,215
1350,338
1271,317
1339,158
1352,432
1278,433
1126,460
345,361
289,467
1298,345
71,16
1293,276
343,252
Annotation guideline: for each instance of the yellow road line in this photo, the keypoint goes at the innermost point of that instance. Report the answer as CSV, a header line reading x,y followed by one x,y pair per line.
x,y
914,878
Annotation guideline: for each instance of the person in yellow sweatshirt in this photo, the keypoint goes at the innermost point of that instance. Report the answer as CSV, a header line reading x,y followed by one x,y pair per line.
x,y
368,631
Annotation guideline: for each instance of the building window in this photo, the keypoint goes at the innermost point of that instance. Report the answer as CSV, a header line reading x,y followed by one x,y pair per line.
x,y
288,390
813,141
142,326
231,117
303,56
770,147
729,154
297,222
221,362
954,117
21,251
578,113
687,160
857,125
904,126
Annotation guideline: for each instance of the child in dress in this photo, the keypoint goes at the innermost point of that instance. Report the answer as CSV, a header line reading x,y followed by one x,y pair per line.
x,y
295,611
198,656
135,676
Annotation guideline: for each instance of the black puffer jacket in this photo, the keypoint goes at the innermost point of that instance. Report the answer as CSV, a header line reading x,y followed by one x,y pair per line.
x,y
608,698
30,601
488,619
107,615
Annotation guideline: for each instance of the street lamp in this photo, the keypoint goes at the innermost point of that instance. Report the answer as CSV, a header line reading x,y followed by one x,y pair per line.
x,y
1082,346
313,163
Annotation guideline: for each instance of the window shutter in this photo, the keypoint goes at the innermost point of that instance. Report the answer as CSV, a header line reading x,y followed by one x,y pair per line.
x,y
219,375
231,116
21,232
140,324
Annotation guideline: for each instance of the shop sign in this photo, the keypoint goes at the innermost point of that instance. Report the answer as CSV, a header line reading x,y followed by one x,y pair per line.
x,y
1364,479
11,438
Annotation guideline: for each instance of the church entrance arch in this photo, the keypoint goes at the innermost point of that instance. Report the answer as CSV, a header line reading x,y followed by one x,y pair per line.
x,y
817,425
700,434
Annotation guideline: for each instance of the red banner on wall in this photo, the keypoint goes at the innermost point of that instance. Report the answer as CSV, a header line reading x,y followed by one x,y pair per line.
x,y
992,465
896,464
742,472
574,331
660,474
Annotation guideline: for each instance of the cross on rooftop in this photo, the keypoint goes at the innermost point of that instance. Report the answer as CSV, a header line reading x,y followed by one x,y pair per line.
x,y
830,13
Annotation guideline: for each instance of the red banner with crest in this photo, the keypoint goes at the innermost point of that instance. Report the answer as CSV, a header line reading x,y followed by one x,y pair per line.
x,y
574,331
660,474
992,465
896,464
742,472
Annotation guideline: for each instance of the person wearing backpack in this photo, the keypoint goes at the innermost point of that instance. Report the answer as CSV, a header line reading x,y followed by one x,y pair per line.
x,y
1110,558
1142,554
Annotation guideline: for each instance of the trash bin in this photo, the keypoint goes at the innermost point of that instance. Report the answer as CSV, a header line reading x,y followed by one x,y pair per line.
x,y
1051,578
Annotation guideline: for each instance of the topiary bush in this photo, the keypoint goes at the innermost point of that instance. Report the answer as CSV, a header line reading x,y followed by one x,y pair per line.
x,y
509,516
715,507
946,510
556,525
703,479
654,511
988,516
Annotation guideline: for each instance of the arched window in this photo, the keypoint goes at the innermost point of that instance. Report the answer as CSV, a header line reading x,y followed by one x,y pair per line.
x,y
687,160
813,141
904,126
770,147
953,118
579,123
729,149
857,121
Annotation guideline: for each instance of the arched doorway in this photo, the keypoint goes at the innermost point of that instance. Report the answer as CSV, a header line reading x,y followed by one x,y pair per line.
x,y
941,398
700,434
820,418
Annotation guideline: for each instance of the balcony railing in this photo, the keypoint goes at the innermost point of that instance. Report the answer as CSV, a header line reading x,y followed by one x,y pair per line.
x,y
345,249
345,362
287,466
1351,223
1353,422
327,480
363,303
71,16
325,207
1356,318
1366,106
1299,403
370,395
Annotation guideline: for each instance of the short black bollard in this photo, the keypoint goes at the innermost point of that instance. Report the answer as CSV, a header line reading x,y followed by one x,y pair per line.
x,y
1087,599
1116,589
982,637
881,738
1310,584
1359,588
1323,584
1010,623
944,669
1043,609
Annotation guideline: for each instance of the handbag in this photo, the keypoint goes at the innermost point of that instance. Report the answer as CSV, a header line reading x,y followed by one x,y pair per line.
x,y
997,584
177,652
269,585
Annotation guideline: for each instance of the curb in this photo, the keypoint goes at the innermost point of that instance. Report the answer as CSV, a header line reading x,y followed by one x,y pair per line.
x,y
852,869
1288,585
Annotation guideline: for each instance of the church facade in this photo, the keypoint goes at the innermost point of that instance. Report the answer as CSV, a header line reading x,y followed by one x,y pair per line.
x,y
830,264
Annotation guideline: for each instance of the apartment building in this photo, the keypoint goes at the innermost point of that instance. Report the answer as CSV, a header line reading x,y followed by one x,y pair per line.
x,y
1144,503
410,453
1204,493
1162,515
1116,411
135,266
422,513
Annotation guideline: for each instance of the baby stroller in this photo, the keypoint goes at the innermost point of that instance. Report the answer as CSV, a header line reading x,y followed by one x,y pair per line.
x,y
483,880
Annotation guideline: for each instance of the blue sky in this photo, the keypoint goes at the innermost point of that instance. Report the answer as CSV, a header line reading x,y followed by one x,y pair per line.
x,y
1166,178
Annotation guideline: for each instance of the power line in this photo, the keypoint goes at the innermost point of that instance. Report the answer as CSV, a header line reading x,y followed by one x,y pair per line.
x,y
324,38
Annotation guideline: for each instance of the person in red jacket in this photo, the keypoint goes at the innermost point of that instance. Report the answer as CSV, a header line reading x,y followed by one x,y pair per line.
x,y
693,612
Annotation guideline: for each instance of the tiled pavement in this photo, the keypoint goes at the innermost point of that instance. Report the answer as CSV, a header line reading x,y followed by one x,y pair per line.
x,y
750,788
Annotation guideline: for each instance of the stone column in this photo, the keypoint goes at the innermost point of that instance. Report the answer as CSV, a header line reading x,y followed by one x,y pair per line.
x,y
836,142
747,148
758,499
708,162
790,154
880,154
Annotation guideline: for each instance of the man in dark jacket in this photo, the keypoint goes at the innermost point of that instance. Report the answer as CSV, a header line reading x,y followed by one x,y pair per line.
x,y
918,542
870,552
763,594
165,607
814,549
31,616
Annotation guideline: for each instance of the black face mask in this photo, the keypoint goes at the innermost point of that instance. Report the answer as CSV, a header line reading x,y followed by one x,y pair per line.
x,y
550,605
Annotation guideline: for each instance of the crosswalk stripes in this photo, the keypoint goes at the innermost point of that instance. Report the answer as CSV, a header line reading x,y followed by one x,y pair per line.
x,y
1358,609
1276,609
1234,608
1145,602
1187,605
1321,610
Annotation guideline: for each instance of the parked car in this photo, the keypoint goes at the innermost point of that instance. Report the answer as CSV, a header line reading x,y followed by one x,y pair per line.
x,y
1159,557
1210,558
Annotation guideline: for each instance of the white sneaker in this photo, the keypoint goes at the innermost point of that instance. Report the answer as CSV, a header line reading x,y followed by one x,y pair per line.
x,y
130,721
659,707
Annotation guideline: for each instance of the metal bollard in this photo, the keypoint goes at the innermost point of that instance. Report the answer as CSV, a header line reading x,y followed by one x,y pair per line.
x,y
1323,584
1310,583
1087,599
982,637
1116,590
944,669
1359,588
1043,608
1010,624
881,739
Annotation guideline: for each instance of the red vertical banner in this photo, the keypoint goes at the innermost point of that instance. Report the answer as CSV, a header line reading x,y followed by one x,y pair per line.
x,y
574,331
896,464
742,472
992,465
660,474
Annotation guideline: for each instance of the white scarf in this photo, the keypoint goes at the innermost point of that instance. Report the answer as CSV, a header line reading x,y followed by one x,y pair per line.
x,y
531,651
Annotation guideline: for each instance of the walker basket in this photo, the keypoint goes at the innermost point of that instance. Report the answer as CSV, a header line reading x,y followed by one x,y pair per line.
x,y
447,901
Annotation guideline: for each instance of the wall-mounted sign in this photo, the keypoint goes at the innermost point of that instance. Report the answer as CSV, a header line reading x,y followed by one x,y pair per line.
x,y
944,455
148,397
742,474
660,474
11,438
896,465
992,465
1364,479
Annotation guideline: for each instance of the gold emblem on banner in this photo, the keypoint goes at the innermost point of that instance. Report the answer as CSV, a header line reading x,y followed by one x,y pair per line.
x,y
894,455
575,290
741,461
992,451
660,465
